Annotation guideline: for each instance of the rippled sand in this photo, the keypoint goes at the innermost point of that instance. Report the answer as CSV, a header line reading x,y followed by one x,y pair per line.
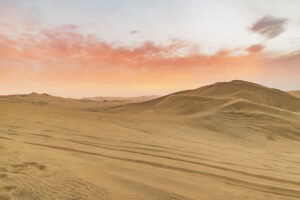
x,y
234,140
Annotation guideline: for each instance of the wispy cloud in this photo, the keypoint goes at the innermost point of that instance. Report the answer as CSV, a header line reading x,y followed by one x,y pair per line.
x,y
255,48
64,55
134,32
269,26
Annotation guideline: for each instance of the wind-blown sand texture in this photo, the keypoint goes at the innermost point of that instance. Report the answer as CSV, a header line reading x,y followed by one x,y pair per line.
x,y
231,140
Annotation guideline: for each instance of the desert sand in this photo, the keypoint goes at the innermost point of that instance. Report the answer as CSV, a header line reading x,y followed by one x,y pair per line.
x,y
296,93
123,100
229,140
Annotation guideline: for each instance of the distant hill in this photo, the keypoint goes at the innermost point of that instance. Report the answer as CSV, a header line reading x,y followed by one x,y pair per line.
x,y
38,99
93,104
128,99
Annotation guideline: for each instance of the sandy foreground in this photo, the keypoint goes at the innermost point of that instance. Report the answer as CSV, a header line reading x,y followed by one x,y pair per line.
x,y
233,140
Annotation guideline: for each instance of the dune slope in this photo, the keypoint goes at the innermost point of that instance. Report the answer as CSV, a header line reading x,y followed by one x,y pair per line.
x,y
295,92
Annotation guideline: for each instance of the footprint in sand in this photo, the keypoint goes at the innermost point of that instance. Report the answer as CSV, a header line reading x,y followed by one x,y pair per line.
x,y
3,176
5,192
17,168
4,197
3,169
7,188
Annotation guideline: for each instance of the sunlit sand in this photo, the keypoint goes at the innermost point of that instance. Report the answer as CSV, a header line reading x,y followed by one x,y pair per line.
x,y
230,140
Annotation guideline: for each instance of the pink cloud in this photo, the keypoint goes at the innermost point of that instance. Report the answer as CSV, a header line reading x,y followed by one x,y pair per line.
x,y
64,55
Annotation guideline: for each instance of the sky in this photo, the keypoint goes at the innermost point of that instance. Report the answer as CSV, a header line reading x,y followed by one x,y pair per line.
x,y
79,48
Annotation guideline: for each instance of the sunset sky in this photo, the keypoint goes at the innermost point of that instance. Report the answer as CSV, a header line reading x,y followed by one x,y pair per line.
x,y
77,48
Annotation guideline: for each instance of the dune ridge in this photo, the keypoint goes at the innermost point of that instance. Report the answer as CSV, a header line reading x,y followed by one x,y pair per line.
x,y
223,93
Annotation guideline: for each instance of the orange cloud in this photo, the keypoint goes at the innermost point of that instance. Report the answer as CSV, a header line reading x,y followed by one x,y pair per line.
x,y
255,48
64,56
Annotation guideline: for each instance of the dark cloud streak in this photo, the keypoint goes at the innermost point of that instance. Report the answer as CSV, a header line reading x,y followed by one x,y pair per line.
x,y
269,26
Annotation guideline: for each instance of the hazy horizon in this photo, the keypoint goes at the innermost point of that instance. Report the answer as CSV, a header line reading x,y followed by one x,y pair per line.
x,y
118,96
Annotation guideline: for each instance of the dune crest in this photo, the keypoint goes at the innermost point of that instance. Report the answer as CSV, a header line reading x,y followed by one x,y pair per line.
x,y
222,93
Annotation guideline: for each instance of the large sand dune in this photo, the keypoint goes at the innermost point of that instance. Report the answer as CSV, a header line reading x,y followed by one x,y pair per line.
x,y
231,140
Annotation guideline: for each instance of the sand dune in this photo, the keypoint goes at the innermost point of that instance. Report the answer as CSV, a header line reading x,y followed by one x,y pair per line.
x,y
230,140
296,93
123,99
